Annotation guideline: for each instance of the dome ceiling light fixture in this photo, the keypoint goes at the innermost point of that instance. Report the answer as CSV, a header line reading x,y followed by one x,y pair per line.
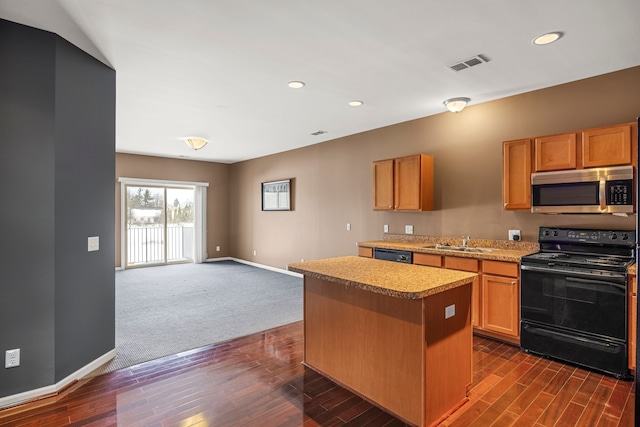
x,y
547,38
195,142
455,105
296,84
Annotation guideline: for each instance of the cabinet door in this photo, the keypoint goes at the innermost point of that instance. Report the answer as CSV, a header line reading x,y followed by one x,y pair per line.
x,y
516,174
501,305
607,146
476,302
383,185
555,152
407,183
633,301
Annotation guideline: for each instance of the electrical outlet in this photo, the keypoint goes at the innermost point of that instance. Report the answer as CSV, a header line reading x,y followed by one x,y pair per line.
x,y
385,228
12,358
449,311
255,252
514,235
218,248
408,229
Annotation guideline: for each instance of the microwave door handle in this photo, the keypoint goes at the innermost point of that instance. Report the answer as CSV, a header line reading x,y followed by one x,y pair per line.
x,y
603,196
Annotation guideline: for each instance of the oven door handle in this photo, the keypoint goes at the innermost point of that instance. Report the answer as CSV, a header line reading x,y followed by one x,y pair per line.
x,y
614,276
596,282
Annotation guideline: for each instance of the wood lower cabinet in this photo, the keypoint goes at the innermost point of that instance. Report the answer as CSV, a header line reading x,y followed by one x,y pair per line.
x,y
405,183
632,313
555,152
365,252
500,296
516,174
471,265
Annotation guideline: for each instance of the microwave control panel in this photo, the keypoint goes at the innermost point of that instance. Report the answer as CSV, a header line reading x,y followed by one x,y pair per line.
x,y
619,192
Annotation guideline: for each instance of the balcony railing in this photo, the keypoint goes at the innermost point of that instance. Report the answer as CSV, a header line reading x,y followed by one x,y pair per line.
x,y
145,245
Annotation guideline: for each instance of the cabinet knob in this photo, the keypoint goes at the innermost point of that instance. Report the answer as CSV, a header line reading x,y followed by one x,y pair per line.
x,y
506,204
390,207
513,283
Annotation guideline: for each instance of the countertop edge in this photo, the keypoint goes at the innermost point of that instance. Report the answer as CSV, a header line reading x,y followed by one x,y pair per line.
x,y
386,291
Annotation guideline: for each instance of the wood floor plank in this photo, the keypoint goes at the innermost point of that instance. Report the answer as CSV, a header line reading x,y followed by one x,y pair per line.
x,y
260,380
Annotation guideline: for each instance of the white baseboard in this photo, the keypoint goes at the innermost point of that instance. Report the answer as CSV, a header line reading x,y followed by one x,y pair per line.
x,y
255,264
39,393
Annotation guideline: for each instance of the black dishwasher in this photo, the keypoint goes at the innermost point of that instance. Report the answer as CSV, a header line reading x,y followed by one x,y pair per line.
x,y
393,255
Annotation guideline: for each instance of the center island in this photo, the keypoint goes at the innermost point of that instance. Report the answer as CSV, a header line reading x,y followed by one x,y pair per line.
x,y
398,335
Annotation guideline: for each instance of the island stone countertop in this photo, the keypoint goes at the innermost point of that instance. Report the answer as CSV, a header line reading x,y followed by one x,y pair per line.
x,y
384,277
503,250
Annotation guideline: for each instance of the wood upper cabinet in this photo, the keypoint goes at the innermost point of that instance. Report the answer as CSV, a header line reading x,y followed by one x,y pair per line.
x,y
607,146
555,152
383,184
405,183
500,297
516,174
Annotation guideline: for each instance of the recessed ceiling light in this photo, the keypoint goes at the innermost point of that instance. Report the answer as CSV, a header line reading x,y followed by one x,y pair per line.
x,y
355,103
548,38
296,84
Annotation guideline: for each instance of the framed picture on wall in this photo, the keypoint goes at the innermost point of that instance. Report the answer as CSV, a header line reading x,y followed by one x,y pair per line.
x,y
276,195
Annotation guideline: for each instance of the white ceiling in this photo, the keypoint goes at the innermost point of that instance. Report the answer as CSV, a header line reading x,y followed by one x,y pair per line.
x,y
219,69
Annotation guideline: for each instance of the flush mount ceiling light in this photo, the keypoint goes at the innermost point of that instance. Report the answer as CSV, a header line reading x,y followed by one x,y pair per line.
x,y
355,103
195,142
547,38
296,84
455,105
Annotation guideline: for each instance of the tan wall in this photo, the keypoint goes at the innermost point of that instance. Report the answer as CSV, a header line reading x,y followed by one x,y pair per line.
x,y
216,174
333,180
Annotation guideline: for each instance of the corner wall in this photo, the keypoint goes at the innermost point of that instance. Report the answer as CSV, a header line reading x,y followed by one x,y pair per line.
x,y
57,133
333,180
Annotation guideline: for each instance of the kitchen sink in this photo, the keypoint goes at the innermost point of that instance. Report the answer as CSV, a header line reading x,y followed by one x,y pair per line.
x,y
463,248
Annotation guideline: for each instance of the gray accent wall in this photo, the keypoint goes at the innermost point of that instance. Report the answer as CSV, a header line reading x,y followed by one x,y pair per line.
x,y
57,163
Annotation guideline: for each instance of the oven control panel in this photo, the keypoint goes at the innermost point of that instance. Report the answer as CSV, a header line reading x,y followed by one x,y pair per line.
x,y
572,235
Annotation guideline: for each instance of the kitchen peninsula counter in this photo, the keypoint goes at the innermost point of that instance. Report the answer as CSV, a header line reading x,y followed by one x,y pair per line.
x,y
398,335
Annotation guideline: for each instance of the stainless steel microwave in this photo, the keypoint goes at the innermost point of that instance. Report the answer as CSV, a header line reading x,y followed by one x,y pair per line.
x,y
596,190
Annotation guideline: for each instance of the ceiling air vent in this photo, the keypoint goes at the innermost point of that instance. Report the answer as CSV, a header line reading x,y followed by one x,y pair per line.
x,y
318,132
468,63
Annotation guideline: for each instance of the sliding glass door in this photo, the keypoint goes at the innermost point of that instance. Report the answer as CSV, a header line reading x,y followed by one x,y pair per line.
x,y
159,225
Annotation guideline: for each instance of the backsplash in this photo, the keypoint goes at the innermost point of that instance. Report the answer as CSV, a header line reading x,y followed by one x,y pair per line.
x,y
457,241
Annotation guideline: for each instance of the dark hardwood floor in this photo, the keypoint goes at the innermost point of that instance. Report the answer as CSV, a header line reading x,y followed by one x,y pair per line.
x,y
259,381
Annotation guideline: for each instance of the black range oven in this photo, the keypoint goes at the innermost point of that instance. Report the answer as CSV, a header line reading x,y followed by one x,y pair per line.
x,y
574,298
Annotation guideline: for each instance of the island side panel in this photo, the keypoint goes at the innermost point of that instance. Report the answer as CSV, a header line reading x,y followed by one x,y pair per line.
x,y
449,350
371,343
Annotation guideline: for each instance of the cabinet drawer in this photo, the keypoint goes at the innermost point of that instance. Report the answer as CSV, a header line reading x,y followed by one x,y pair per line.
x,y
427,259
464,264
365,252
501,268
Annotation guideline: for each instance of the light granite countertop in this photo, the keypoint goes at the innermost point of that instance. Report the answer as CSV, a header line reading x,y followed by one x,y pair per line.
x,y
503,250
384,277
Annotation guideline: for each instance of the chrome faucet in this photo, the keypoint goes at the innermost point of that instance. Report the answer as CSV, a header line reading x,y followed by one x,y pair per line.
x,y
465,241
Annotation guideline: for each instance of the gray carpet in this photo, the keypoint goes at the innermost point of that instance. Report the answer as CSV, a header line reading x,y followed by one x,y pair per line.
x,y
169,309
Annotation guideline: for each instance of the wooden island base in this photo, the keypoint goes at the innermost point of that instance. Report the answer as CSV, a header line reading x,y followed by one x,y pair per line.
x,y
401,354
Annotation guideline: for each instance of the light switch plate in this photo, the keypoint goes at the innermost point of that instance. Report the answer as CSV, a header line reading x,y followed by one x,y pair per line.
x,y
408,229
348,227
93,243
385,228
